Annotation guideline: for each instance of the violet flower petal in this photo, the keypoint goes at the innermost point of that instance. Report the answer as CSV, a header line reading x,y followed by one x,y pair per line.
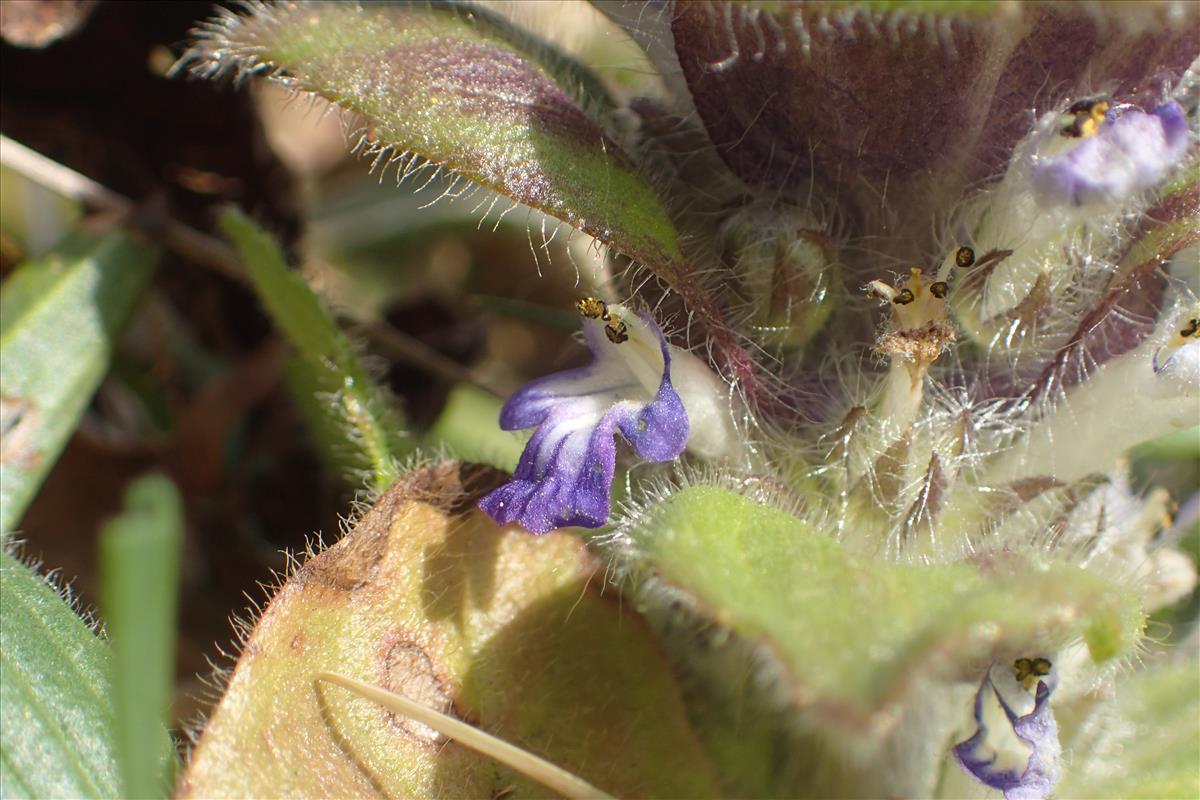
x,y
564,477
1038,729
1131,154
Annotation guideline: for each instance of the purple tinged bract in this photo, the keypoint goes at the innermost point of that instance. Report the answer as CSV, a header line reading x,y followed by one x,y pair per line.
x,y
565,474
1034,777
1130,154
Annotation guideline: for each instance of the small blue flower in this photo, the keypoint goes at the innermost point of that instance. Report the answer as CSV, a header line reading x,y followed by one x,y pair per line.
x,y
1131,152
1032,773
565,474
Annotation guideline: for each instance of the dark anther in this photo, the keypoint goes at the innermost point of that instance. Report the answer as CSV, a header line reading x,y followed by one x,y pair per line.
x,y
1089,105
1025,668
616,331
904,297
939,289
1191,329
965,257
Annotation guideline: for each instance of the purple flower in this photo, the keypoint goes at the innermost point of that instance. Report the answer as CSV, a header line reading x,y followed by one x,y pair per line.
x,y
1025,767
1128,155
565,474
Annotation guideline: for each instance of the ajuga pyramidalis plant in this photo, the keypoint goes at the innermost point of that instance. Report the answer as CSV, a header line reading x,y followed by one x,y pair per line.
x,y
898,286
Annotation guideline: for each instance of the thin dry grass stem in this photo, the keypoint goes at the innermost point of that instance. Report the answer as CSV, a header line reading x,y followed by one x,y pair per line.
x,y
524,762
171,233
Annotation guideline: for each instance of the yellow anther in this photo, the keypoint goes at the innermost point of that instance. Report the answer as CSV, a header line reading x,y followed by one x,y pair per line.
x,y
593,308
1088,116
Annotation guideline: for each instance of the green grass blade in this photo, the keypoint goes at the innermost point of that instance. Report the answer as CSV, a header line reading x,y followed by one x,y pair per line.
x,y
61,316
54,701
139,568
354,402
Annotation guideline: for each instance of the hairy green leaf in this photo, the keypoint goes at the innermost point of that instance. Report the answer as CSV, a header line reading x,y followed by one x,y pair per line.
x,y
352,401
61,317
428,599
459,87
1148,747
55,740
855,634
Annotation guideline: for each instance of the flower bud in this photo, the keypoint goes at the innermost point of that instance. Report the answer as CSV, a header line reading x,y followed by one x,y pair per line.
x,y
786,267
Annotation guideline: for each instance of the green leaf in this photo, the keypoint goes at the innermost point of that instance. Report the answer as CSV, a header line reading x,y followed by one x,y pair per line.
x,y
1180,446
1148,748
854,634
55,740
139,570
460,87
469,428
61,317
354,403
425,597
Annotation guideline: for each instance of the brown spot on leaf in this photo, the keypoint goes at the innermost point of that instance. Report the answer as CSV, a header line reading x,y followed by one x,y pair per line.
x,y
407,669
18,420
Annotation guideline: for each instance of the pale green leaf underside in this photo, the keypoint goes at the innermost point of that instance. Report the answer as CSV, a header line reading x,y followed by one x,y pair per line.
x,y
853,633
55,740
456,86
61,316
504,630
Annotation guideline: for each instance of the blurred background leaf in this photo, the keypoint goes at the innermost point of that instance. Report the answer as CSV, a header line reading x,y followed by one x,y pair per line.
x,y
59,320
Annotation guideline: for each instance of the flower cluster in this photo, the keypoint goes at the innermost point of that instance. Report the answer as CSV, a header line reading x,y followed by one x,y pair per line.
x,y
923,275
1054,322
